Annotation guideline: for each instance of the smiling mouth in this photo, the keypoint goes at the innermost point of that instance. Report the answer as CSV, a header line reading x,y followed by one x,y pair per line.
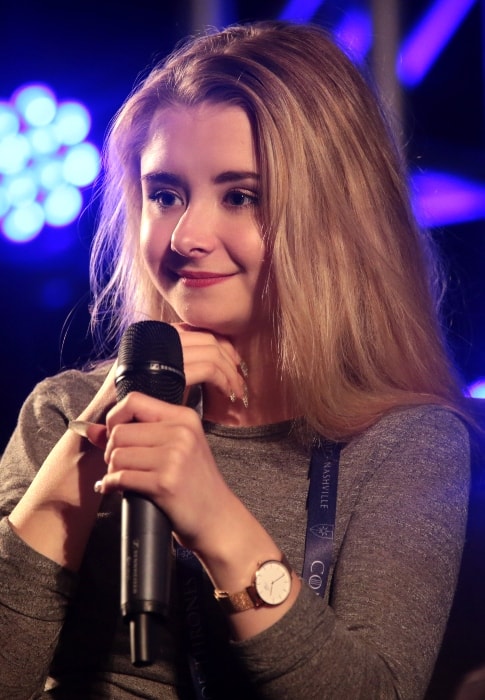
x,y
192,278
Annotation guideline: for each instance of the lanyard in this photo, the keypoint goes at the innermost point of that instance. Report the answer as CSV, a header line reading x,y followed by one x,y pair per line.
x,y
193,585
321,508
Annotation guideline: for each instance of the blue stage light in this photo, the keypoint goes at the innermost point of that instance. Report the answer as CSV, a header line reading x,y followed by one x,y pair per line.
x,y
15,152
43,140
62,205
354,34
36,104
9,120
4,201
21,189
49,172
22,224
72,123
81,164
477,389
44,161
300,10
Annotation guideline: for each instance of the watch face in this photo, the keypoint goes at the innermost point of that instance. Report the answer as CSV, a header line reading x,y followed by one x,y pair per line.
x,y
273,582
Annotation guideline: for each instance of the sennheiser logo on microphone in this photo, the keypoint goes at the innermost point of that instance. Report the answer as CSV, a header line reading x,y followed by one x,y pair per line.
x,y
149,366
134,565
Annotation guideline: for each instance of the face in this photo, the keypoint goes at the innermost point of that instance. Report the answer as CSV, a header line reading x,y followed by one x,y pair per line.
x,y
200,236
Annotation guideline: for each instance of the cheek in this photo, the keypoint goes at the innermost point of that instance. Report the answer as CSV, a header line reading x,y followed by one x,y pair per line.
x,y
250,249
260,261
153,245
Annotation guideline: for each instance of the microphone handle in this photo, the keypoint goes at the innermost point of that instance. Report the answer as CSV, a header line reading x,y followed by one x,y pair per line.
x,y
146,553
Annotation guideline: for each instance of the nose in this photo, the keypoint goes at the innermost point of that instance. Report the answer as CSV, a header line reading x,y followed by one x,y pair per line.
x,y
194,234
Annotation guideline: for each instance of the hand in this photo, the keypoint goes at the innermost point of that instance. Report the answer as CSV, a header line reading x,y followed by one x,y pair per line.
x,y
160,450
210,359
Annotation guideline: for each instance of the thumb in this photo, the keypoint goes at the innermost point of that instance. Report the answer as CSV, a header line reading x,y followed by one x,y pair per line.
x,y
94,432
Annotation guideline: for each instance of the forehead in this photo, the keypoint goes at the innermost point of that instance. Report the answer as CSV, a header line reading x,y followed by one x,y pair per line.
x,y
218,132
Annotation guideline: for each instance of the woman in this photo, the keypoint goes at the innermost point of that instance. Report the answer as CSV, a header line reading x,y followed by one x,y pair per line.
x,y
253,199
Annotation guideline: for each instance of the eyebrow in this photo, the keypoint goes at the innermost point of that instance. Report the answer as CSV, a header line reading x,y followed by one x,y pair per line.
x,y
169,178
236,176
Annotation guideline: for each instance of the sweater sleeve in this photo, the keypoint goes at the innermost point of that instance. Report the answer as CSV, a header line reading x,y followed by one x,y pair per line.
x,y
34,591
402,517
34,594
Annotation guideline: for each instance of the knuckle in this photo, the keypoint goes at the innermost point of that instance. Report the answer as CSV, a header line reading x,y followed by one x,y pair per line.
x,y
192,421
120,478
115,433
115,460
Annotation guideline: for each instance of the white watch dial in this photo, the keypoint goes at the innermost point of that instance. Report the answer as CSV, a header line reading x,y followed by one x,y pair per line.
x,y
273,582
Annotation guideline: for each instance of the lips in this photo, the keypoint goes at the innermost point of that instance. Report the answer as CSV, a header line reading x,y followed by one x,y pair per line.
x,y
201,278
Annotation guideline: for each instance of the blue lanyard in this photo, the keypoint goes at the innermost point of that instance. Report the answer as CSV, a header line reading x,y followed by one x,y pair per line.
x,y
321,508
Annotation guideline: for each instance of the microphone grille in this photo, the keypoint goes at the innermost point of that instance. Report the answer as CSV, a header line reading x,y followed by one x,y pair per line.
x,y
150,360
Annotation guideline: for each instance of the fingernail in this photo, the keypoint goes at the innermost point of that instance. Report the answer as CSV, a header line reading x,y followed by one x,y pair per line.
x,y
98,486
245,399
80,427
244,369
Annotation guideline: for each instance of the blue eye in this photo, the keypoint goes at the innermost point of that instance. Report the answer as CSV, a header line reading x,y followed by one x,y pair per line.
x,y
237,198
166,199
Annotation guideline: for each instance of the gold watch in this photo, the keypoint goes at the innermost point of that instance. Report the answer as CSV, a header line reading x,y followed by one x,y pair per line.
x,y
271,586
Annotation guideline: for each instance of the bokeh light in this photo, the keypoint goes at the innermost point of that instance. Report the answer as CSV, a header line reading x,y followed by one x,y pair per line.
x,y
44,161
477,389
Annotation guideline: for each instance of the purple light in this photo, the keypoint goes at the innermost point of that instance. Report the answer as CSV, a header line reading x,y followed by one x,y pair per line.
x,y
354,34
442,199
300,10
428,39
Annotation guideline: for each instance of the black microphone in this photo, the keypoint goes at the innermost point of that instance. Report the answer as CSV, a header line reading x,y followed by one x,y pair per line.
x,y
150,361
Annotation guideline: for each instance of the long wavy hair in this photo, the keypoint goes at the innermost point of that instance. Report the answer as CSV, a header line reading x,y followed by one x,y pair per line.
x,y
356,322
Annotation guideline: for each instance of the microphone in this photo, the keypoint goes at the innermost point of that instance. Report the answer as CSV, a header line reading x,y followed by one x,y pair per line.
x,y
150,361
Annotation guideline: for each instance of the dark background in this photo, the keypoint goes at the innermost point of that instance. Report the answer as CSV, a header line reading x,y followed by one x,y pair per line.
x,y
93,52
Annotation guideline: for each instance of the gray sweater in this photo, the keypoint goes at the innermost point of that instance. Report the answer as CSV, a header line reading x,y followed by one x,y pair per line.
x,y
401,512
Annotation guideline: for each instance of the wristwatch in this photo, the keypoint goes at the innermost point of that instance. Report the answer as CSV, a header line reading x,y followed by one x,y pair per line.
x,y
271,586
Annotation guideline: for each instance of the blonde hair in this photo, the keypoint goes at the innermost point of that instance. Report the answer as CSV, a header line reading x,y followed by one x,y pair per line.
x,y
356,324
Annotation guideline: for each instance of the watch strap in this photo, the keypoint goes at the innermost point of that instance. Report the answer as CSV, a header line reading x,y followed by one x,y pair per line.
x,y
248,598
238,602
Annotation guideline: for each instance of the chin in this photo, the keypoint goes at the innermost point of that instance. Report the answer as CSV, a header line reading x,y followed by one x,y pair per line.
x,y
229,327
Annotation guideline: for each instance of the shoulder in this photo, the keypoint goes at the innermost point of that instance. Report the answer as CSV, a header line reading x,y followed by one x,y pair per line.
x,y
411,466
426,443
65,394
418,427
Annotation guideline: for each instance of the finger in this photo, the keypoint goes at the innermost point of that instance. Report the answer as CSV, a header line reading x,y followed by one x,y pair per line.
x,y
137,435
192,337
97,435
211,359
199,336
209,365
136,407
134,458
143,482
139,468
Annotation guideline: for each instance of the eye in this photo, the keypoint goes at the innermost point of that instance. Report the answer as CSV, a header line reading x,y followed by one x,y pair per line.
x,y
240,198
166,199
